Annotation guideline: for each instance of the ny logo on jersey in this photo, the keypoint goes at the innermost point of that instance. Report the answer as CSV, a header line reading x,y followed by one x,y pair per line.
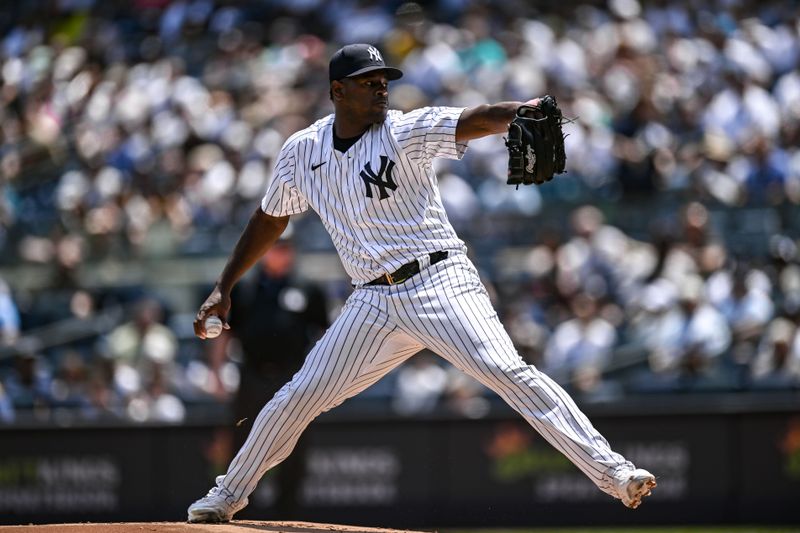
x,y
374,54
370,178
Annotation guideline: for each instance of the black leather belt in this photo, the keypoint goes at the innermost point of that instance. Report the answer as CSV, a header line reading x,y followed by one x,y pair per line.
x,y
406,271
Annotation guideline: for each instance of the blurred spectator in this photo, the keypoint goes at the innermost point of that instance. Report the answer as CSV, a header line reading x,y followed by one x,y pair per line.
x,y
464,396
589,385
143,351
580,343
9,316
777,363
144,339
524,319
419,385
6,406
743,298
583,262
29,385
69,386
601,261
695,251
654,315
154,402
103,400
690,338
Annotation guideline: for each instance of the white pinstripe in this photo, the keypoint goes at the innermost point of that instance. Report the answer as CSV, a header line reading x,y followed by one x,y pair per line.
x,y
444,308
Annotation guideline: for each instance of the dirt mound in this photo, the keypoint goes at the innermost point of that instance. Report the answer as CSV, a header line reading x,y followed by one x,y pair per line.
x,y
236,526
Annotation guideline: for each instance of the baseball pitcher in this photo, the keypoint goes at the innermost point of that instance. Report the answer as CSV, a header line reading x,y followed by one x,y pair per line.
x,y
367,171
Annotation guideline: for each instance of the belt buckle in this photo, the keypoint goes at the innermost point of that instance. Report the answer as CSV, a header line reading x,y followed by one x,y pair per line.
x,y
389,278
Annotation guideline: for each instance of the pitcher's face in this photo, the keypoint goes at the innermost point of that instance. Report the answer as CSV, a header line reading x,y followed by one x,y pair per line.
x,y
365,98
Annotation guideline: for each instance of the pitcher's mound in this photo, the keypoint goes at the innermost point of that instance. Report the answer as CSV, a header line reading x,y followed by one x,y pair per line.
x,y
236,526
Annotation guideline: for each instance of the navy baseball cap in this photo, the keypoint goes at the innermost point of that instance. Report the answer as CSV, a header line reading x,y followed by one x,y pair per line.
x,y
355,59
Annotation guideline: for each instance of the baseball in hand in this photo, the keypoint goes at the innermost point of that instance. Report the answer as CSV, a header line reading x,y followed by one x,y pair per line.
x,y
213,326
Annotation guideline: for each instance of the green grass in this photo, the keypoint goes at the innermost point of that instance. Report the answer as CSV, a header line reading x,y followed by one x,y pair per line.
x,y
683,529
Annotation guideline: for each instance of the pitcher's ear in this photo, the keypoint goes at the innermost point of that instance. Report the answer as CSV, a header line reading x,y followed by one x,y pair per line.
x,y
337,90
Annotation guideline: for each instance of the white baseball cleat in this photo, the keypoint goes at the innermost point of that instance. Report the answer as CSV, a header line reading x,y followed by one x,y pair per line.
x,y
633,485
219,505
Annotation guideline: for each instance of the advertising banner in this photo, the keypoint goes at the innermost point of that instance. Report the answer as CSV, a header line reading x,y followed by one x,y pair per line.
x,y
499,472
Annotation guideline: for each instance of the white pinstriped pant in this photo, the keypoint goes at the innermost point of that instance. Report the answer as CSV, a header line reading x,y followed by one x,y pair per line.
x,y
446,309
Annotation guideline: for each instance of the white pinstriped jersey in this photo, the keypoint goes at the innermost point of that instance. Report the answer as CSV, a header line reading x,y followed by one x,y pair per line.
x,y
380,199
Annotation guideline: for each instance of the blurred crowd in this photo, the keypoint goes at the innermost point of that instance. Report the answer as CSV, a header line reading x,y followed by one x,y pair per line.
x,y
144,367
149,130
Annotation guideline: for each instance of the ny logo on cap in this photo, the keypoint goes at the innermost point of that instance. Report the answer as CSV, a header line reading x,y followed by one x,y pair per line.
x,y
374,54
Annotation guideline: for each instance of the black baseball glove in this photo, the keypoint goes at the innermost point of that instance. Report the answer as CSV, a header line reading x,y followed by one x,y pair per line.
x,y
535,143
